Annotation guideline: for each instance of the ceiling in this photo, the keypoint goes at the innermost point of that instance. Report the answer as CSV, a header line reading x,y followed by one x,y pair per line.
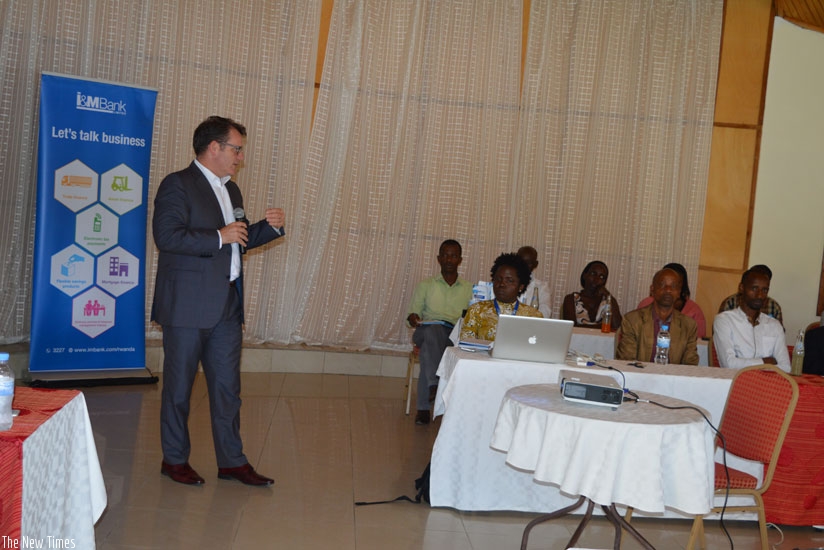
x,y
807,13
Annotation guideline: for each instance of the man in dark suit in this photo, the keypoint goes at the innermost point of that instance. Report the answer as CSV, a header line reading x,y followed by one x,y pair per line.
x,y
814,351
200,231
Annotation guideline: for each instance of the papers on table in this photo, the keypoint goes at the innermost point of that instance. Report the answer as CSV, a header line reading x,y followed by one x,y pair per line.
x,y
475,344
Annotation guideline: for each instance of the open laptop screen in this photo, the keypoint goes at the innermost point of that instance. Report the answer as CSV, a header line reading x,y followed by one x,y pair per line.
x,y
532,339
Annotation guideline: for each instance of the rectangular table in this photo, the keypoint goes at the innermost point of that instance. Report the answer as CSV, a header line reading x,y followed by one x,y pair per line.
x,y
51,484
468,475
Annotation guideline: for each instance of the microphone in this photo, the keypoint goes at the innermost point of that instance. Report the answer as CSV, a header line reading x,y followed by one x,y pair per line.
x,y
240,216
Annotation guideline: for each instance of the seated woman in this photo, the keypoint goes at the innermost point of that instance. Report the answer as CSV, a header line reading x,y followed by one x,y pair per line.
x,y
586,308
510,276
684,304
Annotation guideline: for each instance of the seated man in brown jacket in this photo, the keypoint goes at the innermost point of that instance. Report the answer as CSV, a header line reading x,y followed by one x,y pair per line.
x,y
639,328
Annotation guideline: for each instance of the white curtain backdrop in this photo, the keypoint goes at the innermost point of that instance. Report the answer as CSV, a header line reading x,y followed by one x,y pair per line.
x,y
412,144
252,60
614,141
423,131
419,137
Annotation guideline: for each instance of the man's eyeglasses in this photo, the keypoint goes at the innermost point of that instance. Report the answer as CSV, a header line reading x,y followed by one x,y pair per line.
x,y
238,148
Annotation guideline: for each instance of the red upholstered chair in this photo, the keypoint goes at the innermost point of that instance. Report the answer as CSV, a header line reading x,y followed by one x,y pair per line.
x,y
756,417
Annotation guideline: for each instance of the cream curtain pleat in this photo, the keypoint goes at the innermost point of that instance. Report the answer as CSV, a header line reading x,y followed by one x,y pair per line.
x,y
252,60
614,140
412,144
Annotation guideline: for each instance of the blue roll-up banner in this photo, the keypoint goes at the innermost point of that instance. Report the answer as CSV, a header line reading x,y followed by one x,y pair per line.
x,y
88,292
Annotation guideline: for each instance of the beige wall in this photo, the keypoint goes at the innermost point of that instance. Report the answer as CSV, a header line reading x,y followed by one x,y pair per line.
x,y
788,222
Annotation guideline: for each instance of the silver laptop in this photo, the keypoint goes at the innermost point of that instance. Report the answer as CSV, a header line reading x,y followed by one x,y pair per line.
x,y
532,339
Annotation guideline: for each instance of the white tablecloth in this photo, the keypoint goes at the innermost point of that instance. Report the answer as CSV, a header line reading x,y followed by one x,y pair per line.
x,y
469,475
63,490
638,455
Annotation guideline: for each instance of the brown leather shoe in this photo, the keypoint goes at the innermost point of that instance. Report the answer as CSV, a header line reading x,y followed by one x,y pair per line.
x,y
245,474
182,473
422,417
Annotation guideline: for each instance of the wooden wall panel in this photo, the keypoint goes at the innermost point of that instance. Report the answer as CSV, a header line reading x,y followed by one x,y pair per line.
x,y
727,215
712,288
743,54
323,35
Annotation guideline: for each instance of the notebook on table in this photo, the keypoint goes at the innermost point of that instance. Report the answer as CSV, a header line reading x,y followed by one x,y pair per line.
x,y
532,339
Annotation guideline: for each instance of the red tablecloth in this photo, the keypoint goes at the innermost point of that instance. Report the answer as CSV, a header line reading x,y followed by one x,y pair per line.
x,y
36,406
796,496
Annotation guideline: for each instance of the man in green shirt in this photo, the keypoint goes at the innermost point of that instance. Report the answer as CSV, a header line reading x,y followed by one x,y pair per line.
x,y
437,304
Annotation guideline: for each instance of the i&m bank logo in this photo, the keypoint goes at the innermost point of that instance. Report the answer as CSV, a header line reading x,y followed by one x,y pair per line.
x,y
100,104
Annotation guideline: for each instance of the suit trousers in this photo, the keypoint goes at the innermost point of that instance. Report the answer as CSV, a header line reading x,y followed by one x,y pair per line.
x,y
218,350
432,341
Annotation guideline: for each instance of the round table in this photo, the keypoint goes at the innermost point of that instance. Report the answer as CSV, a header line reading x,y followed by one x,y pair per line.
x,y
640,454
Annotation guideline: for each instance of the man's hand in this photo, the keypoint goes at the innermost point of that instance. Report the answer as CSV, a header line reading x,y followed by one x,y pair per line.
x,y
414,319
770,361
235,232
275,217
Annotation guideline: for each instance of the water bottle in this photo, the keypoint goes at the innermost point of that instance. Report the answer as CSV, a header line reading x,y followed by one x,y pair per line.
x,y
663,345
6,392
797,367
481,291
535,302
606,317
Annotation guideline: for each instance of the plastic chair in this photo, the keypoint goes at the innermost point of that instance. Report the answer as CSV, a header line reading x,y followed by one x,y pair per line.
x,y
756,418
414,359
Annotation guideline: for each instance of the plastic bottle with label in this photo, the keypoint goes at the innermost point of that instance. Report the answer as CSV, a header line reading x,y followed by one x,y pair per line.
x,y
6,392
662,346
606,316
797,366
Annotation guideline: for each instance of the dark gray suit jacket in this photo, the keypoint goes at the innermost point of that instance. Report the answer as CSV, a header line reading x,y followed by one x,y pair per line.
x,y
814,351
192,272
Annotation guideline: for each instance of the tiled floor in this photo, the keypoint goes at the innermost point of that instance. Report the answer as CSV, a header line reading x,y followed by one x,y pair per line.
x,y
328,440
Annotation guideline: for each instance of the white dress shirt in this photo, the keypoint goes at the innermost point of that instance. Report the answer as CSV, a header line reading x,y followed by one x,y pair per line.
x,y
219,187
740,344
